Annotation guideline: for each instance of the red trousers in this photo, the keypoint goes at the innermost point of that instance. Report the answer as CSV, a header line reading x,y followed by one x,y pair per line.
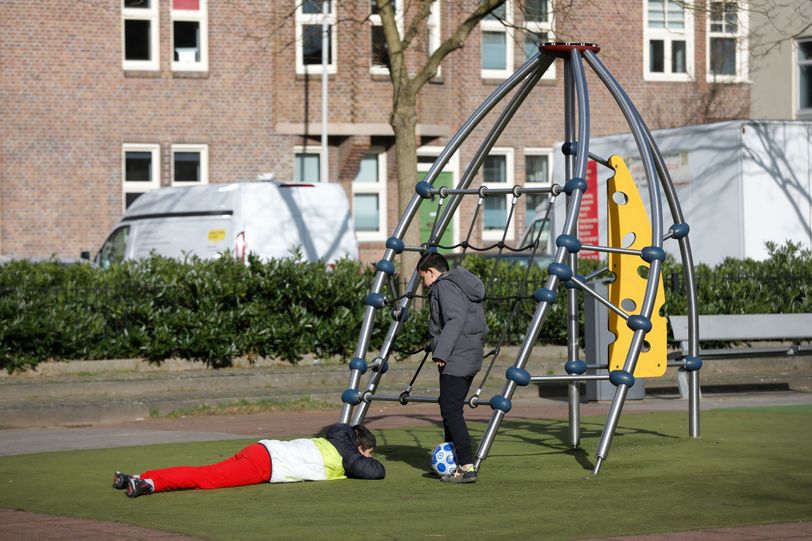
x,y
251,466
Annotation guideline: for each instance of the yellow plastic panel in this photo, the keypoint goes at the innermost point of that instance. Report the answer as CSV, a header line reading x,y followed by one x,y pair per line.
x,y
629,227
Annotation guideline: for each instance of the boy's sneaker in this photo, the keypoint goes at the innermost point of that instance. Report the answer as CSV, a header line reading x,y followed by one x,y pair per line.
x,y
120,480
468,476
138,487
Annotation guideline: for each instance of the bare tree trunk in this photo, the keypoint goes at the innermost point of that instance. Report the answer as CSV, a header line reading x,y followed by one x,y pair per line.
x,y
404,123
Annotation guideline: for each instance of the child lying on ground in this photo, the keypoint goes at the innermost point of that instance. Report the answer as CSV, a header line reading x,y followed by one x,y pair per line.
x,y
344,451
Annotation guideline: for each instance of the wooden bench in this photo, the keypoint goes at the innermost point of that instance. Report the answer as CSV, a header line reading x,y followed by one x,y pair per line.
x,y
743,328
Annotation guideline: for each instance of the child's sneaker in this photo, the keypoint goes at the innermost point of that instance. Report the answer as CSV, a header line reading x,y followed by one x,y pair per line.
x,y
460,476
120,480
138,487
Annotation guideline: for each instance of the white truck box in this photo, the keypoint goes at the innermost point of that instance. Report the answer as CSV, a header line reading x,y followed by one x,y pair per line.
x,y
740,184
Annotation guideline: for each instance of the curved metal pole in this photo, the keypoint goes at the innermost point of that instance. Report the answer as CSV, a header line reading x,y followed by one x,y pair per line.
x,y
465,130
490,140
689,277
635,124
570,226
578,81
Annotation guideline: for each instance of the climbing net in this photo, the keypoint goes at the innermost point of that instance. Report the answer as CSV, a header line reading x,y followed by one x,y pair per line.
x,y
634,301
530,249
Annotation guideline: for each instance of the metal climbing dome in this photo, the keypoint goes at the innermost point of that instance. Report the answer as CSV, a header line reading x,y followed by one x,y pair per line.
x,y
635,297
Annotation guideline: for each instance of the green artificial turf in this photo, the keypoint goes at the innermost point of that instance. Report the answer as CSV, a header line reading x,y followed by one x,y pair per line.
x,y
751,466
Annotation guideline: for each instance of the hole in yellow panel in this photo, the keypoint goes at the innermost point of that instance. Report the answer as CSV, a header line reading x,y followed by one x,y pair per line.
x,y
628,239
620,198
628,304
642,271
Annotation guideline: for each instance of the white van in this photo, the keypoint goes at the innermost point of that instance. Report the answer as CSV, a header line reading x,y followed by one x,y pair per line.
x,y
268,219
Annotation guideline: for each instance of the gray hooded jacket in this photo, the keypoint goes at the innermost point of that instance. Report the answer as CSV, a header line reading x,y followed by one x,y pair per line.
x,y
457,322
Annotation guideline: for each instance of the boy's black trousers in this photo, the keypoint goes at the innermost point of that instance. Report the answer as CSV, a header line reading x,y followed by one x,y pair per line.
x,y
453,391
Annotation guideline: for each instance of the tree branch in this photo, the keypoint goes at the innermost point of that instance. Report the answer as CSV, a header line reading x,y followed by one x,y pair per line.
x,y
454,42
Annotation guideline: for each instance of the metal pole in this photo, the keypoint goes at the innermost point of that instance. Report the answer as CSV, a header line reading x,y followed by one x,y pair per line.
x,y
635,124
490,140
573,398
570,226
325,49
578,84
690,286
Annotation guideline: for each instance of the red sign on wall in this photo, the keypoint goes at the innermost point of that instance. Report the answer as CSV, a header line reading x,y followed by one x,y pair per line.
x,y
588,231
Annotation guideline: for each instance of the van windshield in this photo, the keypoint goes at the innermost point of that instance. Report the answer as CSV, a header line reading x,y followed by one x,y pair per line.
x,y
114,248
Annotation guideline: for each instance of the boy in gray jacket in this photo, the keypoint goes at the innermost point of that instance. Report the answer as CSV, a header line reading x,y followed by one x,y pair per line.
x,y
457,328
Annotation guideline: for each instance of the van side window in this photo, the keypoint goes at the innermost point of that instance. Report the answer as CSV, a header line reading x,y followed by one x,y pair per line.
x,y
114,248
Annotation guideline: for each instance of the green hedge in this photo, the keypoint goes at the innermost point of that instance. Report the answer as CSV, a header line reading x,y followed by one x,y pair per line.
x,y
215,310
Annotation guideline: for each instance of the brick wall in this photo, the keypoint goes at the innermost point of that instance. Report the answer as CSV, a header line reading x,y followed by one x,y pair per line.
x,y
68,105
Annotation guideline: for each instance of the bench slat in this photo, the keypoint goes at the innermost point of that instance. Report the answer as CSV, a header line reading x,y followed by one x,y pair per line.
x,y
746,327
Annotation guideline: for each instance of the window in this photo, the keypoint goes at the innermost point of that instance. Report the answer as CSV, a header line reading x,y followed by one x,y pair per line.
x,y
669,41
139,34
804,48
190,165
536,174
309,19
497,43
114,249
369,198
190,43
140,170
538,28
307,166
379,59
727,42
497,172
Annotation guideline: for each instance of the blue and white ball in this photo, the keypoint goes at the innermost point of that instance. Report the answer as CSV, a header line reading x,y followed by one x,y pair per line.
x,y
443,460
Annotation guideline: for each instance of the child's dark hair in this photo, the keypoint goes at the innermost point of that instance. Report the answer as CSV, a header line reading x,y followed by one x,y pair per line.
x,y
364,438
432,260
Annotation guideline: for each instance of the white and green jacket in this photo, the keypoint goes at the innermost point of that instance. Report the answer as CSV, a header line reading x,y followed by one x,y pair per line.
x,y
335,456
311,459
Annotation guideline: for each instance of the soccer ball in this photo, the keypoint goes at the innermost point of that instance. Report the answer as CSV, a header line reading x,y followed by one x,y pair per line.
x,y
443,460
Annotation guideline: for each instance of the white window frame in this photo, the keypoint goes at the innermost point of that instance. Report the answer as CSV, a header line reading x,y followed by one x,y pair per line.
x,y
453,167
142,14
374,188
496,234
303,19
535,27
742,52
375,20
489,25
434,29
204,163
668,36
201,17
539,151
796,83
309,149
139,187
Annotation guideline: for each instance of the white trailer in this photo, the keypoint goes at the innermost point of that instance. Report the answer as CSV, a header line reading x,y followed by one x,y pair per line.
x,y
741,183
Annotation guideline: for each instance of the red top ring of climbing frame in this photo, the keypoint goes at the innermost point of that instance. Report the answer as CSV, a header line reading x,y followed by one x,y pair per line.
x,y
563,49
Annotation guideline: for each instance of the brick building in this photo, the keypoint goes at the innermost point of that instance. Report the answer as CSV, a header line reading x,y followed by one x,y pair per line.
x,y
104,100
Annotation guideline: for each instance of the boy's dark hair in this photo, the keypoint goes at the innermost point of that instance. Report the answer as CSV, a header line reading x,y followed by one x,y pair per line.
x,y
364,438
432,260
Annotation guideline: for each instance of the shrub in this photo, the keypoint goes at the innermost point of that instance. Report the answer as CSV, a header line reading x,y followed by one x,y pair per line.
x,y
215,310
